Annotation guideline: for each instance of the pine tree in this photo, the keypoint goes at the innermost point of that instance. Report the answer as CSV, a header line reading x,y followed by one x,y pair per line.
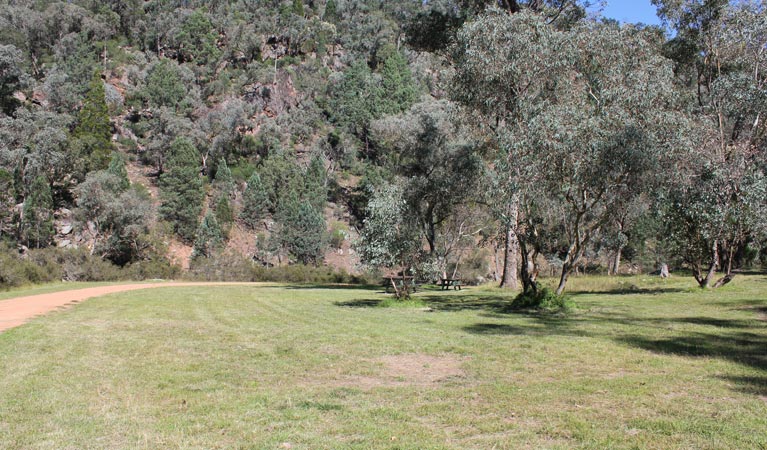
x,y
298,8
37,222
224,215
316,184
255,202
331,12
181,189
224,181
117,168
398,89
93,133
302,231
208,238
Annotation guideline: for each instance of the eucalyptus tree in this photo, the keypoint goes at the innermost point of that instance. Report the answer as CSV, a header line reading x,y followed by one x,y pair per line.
x,y
583,115
37,214
504,66
115,216
721,65
439,170
7,202
13,77
390,237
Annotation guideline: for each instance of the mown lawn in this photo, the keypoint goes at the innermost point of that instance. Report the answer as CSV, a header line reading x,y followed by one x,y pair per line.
x,y
640,364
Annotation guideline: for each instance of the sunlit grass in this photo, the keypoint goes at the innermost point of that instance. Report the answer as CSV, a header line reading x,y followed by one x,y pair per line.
x,y
640,363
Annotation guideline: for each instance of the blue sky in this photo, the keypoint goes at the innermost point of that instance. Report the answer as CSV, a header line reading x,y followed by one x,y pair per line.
x,y
631,11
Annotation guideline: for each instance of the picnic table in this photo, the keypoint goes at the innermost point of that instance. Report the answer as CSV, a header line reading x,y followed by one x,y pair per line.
x,y
446,283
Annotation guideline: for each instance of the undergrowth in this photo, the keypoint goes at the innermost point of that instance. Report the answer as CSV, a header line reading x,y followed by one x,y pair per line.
x,y
544,299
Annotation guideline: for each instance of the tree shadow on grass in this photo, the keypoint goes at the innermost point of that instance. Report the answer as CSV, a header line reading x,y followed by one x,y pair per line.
x,y
497,304
472,302
630,290
741,341
740,347
750,385
331,286
362,303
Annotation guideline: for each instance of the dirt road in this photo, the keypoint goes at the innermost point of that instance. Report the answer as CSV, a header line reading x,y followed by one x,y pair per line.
x,y
16,311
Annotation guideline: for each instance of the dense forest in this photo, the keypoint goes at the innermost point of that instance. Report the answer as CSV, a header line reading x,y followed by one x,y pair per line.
x,y
495,139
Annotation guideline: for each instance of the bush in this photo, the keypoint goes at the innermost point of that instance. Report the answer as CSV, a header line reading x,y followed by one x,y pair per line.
x,y
543,299
230,266
57,264
339,232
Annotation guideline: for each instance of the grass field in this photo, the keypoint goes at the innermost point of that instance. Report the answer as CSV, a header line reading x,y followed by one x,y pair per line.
x,y
639,364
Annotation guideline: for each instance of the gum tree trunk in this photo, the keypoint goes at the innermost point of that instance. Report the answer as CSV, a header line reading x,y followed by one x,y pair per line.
x,y
510,249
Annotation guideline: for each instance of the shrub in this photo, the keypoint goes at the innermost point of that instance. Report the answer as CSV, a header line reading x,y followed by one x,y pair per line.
x,y
543,299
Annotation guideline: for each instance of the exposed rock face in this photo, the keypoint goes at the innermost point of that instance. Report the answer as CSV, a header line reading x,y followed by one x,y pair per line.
x,y
273,99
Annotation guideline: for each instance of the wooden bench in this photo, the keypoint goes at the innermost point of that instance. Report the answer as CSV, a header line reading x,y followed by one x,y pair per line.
x,y
446,283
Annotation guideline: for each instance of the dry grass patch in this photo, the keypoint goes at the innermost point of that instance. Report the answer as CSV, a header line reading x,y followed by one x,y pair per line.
x,y
413,369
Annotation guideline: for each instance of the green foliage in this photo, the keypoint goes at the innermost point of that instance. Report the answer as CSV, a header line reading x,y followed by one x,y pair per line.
x,y
117,168
331,12
93,132
355,100
280,175
229,266
298,8
543,299
223,181
339,233
398,89
315,189
209,238
7,202
37,219
224,215
255,202
12,78
181,189
196,39
165,86
116,218
301,231
390,237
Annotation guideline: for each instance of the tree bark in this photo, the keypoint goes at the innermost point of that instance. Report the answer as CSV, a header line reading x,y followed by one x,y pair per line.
x,y
529,270
705,282
615,264
566,269
511,248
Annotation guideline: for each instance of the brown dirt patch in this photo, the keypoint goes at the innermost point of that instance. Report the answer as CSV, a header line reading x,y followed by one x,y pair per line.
x,y
17,311
413,369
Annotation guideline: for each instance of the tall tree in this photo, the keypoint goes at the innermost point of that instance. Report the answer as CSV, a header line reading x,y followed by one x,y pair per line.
x,y
390,238
301,230
208,238
37,219
12,78
93,132
181,189
721,66
592,143
255,202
